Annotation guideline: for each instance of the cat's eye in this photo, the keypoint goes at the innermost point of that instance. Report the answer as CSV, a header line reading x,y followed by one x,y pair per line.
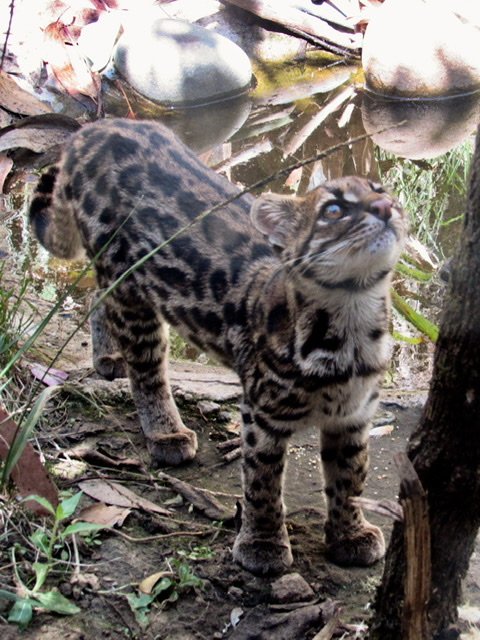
x,y
333,211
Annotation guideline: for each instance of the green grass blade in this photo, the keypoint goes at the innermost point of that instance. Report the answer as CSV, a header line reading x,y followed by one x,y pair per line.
x,y
24,433
421,323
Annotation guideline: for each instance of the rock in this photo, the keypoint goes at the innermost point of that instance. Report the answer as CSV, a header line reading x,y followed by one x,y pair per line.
x,y
190,381
291,588
207,126
235,593
421,48
429,127
208,408
178,63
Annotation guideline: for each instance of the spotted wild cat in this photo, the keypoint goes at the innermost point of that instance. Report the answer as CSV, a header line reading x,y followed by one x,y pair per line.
x,y
291,293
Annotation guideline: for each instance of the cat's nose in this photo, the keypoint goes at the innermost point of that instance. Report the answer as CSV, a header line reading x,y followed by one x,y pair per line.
x,y
381,208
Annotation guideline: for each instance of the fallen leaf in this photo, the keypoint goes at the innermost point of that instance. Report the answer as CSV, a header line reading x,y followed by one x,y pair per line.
x,y
147,584
377,432
15,99
113,493
103,514
88,450
6,164
48,375
235,614
38,133
68,65
86,580
29,474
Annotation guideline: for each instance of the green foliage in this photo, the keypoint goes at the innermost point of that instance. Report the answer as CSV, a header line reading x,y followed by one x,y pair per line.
x,y
432,191
434,194
16,315
197,553
167,590
47,542
23,434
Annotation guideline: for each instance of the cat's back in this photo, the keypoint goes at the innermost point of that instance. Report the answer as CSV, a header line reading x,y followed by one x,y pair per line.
x,y
138,180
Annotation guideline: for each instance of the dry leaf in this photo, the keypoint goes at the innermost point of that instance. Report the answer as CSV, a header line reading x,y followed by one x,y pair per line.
x,y
147,584
6,164
113,493
89,580
100,513
29,474
48,375
68,65
38,133
88,450
17,100
385,430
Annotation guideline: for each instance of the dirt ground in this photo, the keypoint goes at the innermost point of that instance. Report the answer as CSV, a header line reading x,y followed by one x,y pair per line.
x,y
231,603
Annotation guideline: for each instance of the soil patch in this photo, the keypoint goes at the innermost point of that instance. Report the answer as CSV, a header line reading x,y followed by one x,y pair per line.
x,y
231,602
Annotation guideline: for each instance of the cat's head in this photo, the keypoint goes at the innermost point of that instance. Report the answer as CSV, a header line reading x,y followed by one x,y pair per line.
x,y
345,229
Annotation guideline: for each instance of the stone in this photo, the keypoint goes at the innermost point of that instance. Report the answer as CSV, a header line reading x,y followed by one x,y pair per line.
x,y
180,64
208,408
421,48
420,129
291,588
235,593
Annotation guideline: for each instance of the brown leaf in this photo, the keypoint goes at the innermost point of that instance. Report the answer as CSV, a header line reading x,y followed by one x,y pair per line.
x,y
29,474
88,450
6,164
17,100
113,493
103,514
38,133
68,65
147,584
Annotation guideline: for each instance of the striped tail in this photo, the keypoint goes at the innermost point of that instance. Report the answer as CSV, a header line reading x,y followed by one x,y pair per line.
x,y
55,228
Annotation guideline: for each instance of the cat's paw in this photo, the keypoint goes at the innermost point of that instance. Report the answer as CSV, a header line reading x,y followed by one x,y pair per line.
x,y
110,367
263,556
172,449
360,548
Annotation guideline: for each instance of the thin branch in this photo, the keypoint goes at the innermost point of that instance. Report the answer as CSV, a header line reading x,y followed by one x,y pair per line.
x,y
7,35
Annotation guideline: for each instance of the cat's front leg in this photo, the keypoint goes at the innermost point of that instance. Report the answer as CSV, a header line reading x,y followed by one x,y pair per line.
x,y
262,545
351,539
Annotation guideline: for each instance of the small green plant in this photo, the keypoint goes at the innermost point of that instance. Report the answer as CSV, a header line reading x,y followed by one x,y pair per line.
x,y
197,553
179,579
16,316
47,542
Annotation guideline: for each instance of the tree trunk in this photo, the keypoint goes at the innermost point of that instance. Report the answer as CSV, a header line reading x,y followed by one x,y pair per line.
x,y
445,448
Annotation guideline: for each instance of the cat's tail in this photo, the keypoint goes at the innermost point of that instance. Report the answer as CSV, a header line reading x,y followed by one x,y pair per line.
x,y
54,225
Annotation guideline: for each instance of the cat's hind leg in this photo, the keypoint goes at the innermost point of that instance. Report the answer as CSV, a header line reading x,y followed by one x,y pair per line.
x,y
107,358
142,337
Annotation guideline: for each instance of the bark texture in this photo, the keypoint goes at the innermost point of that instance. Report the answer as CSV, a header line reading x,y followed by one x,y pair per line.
x,y
445,448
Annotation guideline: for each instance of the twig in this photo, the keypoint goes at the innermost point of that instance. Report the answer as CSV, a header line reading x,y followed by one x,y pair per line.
x,y
230,456
76,557
328,630
313,124
386,508
7,35
163,536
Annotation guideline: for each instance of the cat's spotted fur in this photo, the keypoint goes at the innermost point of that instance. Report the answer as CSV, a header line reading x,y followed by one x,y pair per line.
x,y
292,293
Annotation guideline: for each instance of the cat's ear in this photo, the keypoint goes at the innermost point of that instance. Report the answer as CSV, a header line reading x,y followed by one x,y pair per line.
x,y
275,216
